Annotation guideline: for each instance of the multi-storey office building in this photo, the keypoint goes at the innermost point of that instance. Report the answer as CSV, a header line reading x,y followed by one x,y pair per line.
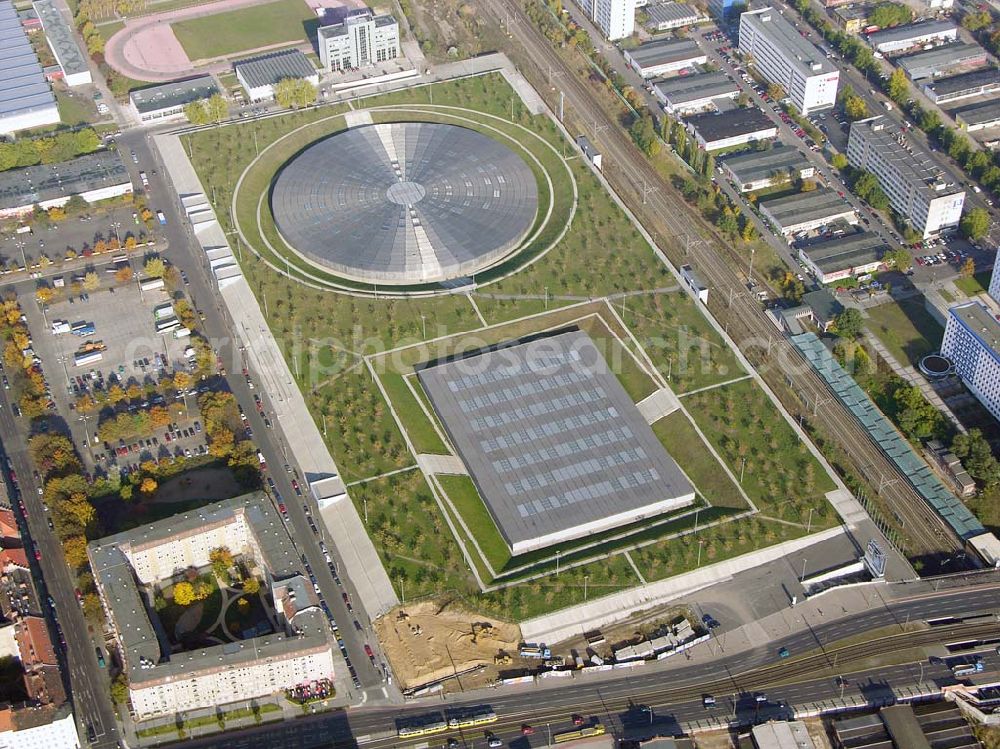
x,y
361,40
786,58
972,342
917,188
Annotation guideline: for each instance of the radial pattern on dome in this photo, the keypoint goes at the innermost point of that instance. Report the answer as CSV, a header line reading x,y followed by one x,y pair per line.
x,y
405,203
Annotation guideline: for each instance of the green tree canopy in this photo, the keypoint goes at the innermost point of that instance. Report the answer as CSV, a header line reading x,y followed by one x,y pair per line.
x,y
643,133
196,113
975,223
898,87
294,93
849,323
885,15
977,457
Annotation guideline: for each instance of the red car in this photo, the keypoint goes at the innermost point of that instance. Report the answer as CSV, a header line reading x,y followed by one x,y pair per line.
x,y
578,720
368,651
527,730
38,555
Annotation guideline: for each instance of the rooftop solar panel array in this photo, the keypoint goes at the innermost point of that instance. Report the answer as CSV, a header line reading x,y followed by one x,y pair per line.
x,y
551,438
896,448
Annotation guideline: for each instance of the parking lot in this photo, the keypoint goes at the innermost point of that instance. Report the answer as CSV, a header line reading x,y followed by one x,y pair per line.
x,y
72,233
126,351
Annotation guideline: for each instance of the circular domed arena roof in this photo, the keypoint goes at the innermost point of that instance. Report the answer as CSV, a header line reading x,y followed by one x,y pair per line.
x,y
405,203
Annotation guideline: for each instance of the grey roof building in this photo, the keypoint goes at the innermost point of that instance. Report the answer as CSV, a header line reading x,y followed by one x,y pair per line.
x,y
909,35
691,93
95,176
62,41
833,259
757,169
258,75
942,60
732,128
26,100
944,90
126,563
405,202
554,444
978,116
805,211
664,56
167,102
671,15
919,189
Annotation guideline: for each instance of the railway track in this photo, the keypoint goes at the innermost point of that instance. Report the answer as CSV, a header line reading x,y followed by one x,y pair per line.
x,y
782,673
667,215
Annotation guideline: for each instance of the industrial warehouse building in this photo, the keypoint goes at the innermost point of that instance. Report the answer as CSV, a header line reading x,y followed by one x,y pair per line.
x,y
259,75
978,116
166,103
362,40
853,255
694,93
62,42
664,56
901,38
758,169
26,100
972,342
917,188
942,61
733,128
96,176
666,16
556,447
262,662
967,85
805,211
785,57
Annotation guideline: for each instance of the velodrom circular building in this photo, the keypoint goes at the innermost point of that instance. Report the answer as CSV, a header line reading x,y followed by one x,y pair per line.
x,y
405,203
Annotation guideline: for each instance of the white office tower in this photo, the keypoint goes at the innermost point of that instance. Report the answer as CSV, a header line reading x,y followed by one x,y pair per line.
x,y
994,291
615,18
786,58
918,189
361,40
972,343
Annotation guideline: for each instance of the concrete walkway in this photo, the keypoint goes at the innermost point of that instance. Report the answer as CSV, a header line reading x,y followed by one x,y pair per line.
x,y
292,417
574,621
657,405
448,464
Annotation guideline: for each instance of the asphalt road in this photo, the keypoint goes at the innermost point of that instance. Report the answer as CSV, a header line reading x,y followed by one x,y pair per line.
x,y
665,214
88,682
672,688
185,253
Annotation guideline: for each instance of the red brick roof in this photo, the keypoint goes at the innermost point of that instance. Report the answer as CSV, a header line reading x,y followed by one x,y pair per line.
x,y
34,643
8,524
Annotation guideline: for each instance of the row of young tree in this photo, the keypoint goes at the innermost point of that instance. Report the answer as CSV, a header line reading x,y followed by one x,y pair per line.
x,y
23,371
49,149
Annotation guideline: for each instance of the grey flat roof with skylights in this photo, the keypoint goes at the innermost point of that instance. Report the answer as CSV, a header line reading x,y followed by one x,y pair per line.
x,y
554,444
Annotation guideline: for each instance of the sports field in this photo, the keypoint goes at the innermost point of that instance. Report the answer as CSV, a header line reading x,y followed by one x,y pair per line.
x,y
245,29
